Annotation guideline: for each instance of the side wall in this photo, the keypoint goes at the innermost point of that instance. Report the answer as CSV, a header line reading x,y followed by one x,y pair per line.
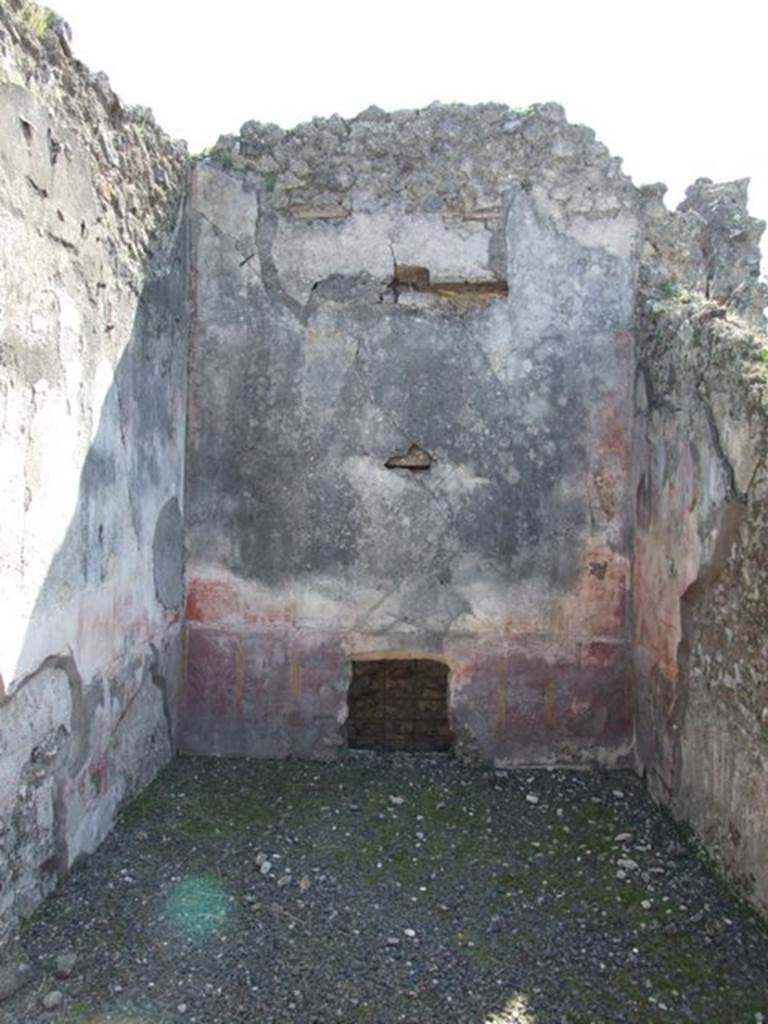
x,y
92,408
320,351
701,565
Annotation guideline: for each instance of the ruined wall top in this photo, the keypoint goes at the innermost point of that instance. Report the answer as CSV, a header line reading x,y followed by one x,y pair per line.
x,y
708,246
139,168
454,159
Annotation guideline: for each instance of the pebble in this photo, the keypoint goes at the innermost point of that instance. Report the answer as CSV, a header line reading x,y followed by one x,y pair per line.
x,y
52,999
531,798
397,800
13,976
65,965
265,867
181,1008
629,865
410,933
622,837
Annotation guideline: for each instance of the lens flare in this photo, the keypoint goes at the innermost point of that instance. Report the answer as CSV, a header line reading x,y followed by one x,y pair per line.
x,y
198,906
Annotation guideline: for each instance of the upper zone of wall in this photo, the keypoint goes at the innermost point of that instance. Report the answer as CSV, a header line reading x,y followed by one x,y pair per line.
x,y
92,407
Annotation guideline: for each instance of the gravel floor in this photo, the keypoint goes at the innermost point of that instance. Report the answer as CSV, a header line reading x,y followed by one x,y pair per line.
x,y
393,888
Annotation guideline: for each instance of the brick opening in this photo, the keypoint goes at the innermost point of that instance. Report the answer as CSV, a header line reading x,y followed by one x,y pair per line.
x,y
399,705
410,278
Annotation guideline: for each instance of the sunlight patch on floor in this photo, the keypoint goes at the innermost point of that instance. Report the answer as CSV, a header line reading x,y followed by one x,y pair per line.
x,y
517,1011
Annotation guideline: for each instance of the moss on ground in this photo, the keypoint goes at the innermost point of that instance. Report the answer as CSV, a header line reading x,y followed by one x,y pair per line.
x,y
450,880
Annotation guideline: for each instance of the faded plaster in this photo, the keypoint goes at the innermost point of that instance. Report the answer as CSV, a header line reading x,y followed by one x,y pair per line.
x,y
311,368
92,406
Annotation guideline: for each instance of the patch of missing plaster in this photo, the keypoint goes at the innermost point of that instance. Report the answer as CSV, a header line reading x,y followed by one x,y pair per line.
x,y
731,518
414,279
168,555
79,726
62,756
615,232
415,458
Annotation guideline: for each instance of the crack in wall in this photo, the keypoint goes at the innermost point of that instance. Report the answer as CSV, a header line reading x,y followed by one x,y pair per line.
x,y
159,680
733,492
265,231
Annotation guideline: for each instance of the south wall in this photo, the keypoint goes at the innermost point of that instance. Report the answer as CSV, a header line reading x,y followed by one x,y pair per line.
x,y
452,279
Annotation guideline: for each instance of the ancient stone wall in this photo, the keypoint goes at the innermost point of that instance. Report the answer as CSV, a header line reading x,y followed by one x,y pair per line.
x,y
92,407
701,542
378,376
449,290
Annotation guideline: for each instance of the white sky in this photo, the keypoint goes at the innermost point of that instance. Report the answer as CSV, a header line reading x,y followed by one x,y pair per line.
x,y
678,89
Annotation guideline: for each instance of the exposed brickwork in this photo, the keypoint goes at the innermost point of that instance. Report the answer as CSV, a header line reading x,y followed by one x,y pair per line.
x,y
399,705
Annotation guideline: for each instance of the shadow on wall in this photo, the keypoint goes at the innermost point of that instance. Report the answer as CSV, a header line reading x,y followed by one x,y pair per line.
x,y
87,716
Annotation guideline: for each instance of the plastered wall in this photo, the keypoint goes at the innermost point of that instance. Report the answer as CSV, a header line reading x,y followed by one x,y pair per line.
x,y
92,406
347,308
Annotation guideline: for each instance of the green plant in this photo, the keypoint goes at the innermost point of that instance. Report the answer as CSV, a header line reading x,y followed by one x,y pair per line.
x,y
227,159
223,158
672,292
39,19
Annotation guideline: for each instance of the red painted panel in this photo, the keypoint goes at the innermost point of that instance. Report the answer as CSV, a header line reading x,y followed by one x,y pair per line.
x,y
279,692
